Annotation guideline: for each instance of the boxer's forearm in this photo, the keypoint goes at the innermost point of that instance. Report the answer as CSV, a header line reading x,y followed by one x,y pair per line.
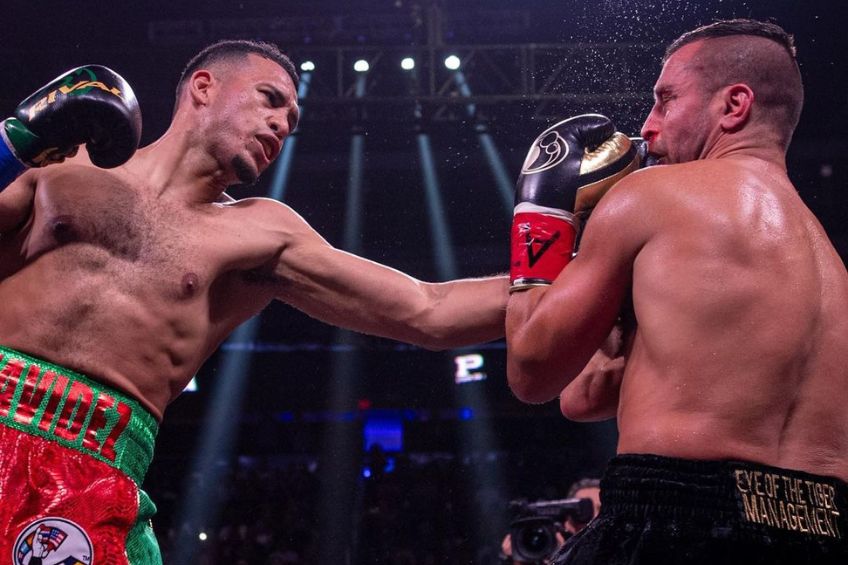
x,y
533,373
465,312
593,395
374,299
354,293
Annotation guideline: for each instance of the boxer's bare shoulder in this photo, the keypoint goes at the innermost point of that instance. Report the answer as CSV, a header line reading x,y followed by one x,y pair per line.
x,y
16,202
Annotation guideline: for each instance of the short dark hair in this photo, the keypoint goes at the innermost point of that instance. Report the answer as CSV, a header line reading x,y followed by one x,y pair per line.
x,y
236,48
770,67
740,26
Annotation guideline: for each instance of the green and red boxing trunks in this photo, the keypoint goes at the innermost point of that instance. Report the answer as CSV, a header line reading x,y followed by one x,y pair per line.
x,y
73,453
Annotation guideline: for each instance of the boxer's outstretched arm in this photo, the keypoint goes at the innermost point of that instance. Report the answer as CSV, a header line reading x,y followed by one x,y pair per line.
x,y
552,332
354,293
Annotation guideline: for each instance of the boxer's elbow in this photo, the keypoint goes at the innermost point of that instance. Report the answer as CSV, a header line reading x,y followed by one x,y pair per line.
x,y
529,373
528,387
574,406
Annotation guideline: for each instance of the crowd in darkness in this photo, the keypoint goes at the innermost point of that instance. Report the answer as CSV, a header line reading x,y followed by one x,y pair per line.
x,y
411,509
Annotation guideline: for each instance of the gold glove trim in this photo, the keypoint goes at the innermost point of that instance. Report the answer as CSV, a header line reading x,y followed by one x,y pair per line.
x,y
589,195
607,152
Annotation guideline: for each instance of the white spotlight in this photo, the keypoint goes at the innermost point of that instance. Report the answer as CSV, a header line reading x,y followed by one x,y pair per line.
x,y
407,64
202,536
307,66
361,66
452,62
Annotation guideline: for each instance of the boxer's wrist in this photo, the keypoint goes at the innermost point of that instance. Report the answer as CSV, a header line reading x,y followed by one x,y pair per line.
x,y
542,245
11,167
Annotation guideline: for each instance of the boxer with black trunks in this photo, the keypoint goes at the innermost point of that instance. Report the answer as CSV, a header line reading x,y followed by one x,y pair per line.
x,y
729,375
116,285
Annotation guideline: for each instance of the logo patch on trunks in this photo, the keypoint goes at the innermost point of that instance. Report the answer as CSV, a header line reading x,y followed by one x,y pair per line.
x,y
789,502
52,541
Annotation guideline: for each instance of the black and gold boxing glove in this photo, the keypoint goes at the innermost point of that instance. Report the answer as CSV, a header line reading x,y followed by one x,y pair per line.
x,y
90,105
569,167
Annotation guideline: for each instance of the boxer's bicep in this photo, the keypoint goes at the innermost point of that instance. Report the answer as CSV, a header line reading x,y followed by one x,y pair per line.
x,y
16,202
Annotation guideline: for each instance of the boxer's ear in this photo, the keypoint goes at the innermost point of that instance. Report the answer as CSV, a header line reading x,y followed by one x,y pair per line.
x,y
200,86
737,100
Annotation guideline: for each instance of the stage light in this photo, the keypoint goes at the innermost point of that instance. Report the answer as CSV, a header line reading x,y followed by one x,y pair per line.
x,y
503,181
202,536
307,66
338,484
361,66
452,62
476,436
200,503
439,230
407,64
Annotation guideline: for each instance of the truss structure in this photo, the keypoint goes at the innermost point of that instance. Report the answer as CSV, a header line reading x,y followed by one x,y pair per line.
x,y
506,78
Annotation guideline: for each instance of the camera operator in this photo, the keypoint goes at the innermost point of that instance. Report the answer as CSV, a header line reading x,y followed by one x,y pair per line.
x,y
573,522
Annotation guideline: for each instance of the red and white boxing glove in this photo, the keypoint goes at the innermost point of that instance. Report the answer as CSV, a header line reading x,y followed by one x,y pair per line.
x,y
570,166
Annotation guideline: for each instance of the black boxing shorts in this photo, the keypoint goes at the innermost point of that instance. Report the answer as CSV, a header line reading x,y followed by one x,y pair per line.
x,y
663,511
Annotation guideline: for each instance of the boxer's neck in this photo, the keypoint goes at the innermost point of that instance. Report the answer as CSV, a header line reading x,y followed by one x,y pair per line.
x,y
751,145
178,162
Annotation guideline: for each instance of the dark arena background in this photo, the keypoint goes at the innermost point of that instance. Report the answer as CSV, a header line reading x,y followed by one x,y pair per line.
x,y
308,444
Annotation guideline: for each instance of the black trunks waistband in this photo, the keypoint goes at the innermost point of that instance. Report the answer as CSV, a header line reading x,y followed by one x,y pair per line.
x,y
745,496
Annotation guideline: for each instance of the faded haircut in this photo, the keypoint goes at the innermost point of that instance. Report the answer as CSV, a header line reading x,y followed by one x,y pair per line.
x,y
759,54
235,49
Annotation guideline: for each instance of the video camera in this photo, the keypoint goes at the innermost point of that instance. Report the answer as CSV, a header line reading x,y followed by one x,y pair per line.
x,y
534,528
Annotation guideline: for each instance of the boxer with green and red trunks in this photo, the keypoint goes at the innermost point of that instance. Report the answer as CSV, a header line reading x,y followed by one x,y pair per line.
x,y
83,448
133,274
74,450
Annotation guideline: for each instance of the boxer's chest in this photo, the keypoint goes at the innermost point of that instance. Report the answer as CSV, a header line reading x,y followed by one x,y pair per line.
x,y
78,207
95,222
